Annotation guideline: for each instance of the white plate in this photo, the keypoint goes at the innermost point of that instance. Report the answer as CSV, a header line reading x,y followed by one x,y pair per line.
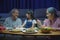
x,y
35,31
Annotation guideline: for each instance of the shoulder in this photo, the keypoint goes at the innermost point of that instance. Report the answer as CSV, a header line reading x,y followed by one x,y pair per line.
x,y
25,20
8,18
33,20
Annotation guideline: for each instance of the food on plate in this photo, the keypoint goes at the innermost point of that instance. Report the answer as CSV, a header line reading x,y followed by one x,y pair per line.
x,y
46,29
29,30
15,30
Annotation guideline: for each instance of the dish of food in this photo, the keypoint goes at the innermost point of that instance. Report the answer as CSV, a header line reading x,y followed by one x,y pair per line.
x,y
46,29
14,30
30,31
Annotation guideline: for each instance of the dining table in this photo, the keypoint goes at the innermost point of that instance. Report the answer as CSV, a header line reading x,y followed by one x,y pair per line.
x,y
39,33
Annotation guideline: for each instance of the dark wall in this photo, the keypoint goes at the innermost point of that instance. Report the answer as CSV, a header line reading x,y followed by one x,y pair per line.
x,y
7,5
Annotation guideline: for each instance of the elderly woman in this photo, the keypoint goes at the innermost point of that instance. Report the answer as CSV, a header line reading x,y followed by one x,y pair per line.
x,y
52,21
52,18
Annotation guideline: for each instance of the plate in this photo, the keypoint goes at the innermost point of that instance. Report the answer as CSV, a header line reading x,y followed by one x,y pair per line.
x,y
14,30
30,32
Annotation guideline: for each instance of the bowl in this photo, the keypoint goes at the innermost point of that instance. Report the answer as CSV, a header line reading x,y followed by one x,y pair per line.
x,y
46,29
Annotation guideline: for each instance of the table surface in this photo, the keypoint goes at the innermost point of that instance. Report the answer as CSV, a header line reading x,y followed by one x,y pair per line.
x,y
35,34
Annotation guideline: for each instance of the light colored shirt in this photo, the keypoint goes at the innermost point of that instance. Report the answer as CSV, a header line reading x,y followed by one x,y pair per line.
x,y
10,23
56,24
33,21
29,23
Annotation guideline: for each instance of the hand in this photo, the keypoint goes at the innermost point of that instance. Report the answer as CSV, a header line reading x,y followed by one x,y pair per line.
x,y
39,22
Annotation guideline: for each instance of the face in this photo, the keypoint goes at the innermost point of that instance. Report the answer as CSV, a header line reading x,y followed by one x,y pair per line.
x,y
49,15
28,15
15,14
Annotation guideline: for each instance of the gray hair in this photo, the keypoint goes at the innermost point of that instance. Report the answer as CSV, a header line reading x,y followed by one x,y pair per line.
x,y
13,10
52,10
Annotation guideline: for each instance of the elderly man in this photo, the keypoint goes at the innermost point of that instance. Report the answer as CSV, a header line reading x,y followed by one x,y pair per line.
x,y
12,22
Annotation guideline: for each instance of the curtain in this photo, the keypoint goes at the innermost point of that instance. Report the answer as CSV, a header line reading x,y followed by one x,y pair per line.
x,y
7,5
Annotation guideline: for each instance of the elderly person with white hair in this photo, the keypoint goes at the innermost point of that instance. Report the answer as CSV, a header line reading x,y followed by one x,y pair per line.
x,y
12,22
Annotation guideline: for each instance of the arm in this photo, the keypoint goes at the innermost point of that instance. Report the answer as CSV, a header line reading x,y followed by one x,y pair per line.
x,y
45,22
39,23
59,23
24,23
33,23
19,23
6,23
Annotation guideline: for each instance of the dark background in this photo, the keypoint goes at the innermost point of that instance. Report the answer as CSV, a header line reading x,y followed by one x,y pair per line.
x,y
7,5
